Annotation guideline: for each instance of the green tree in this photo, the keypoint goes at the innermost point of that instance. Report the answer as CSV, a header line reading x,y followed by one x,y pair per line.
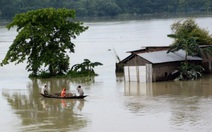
x,y
85,68
189,45
188,36
44,37
107,8
189,71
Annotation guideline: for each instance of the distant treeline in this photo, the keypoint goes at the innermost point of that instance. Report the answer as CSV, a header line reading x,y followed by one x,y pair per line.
x,y
96,8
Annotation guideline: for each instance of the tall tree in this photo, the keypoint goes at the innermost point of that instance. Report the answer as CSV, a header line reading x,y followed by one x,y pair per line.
x,y
188,36
44,37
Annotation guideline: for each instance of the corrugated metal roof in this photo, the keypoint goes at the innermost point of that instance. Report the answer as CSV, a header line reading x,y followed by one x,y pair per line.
x,y
163,57
145,48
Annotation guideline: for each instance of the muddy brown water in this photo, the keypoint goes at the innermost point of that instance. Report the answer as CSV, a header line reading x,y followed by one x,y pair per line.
x,y
113,105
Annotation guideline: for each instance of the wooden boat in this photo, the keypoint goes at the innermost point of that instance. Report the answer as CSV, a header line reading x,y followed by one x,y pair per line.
x,y
57,96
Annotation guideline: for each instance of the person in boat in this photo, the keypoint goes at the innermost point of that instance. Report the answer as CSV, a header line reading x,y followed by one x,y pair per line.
x,y
63,92
44,90
80,91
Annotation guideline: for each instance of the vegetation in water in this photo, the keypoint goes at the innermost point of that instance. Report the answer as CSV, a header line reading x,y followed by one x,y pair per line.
x,y
189,71
188,36
83,69
44,37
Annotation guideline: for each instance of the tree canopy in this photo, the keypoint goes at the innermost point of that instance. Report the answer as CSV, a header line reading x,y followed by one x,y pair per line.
x,y
87,8
85,68
188,36
44,37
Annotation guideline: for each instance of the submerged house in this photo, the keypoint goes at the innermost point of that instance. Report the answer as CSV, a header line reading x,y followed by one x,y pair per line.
x,y
120,65
153,64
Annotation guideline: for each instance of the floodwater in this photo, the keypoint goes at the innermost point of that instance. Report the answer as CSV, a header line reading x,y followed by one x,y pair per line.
x,y
113,105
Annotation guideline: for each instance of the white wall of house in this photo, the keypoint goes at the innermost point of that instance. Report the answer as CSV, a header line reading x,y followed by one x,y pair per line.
x,y
148,72
138,73
142,74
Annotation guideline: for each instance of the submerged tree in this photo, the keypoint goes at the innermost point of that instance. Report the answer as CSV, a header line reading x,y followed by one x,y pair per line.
x,y
188,36
44,37
85,68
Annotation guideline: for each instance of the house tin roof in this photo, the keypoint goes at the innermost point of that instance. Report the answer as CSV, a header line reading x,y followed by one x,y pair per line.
x,y
164,57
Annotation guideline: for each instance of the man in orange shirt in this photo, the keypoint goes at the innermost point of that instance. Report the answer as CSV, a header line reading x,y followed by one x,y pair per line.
x,y
63,93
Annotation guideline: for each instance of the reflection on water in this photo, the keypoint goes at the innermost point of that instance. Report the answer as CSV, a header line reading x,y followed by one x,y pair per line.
x,y
74,105
169,106
201,87
185,104
46,114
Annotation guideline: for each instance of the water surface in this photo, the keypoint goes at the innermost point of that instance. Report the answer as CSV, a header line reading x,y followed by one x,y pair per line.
x,y
112,105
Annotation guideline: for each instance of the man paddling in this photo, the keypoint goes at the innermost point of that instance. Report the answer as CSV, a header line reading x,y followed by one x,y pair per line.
x,y
80,91
44,90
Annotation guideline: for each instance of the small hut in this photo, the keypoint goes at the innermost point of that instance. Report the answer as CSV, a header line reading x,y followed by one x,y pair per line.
x,y
154,66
